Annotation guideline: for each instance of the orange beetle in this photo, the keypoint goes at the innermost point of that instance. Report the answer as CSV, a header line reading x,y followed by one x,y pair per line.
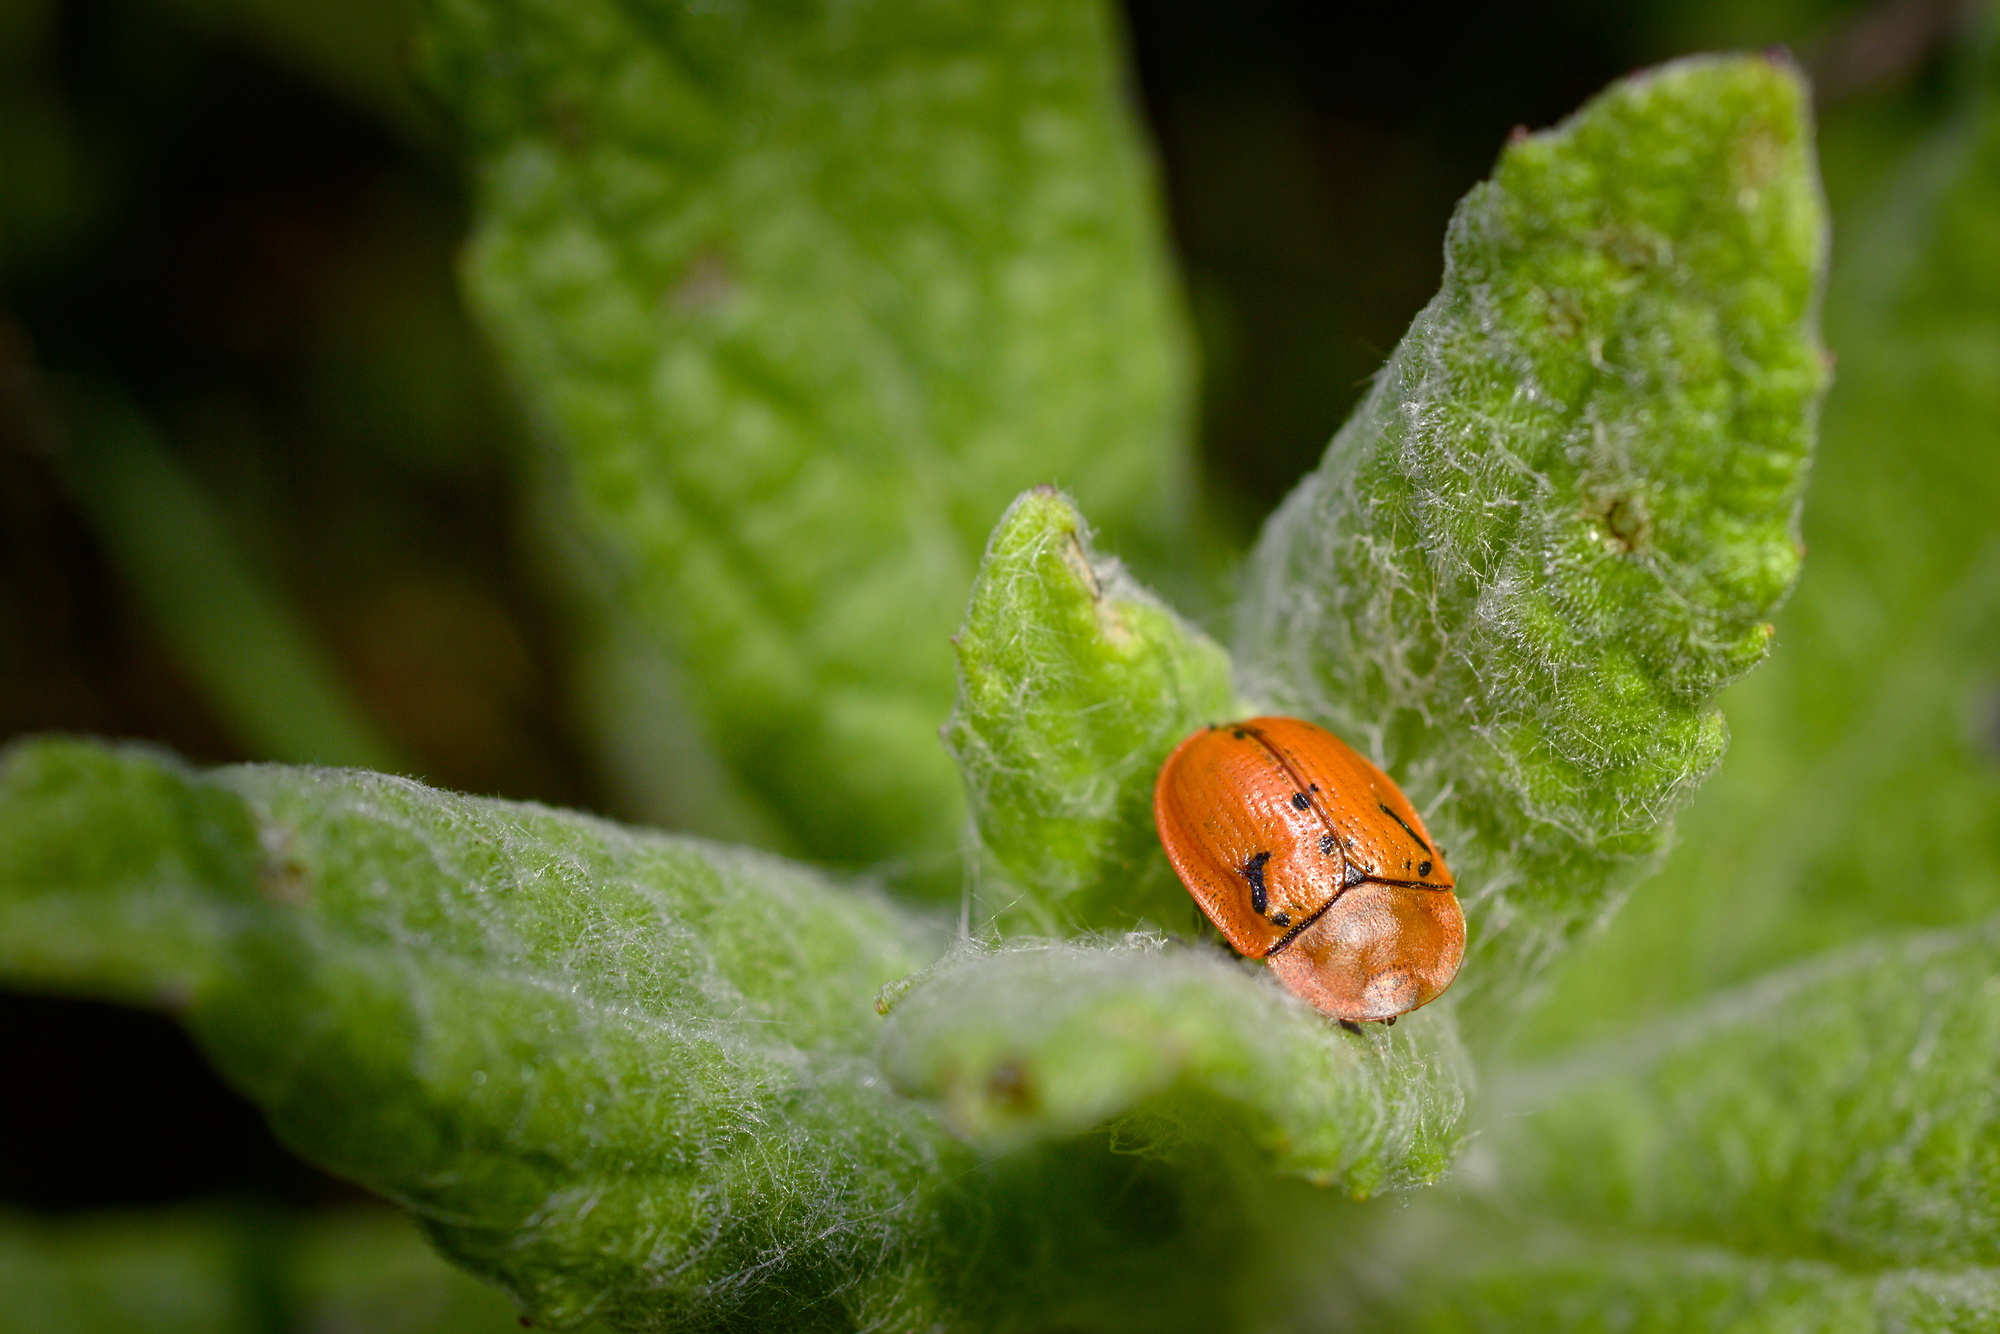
x,y
1308,857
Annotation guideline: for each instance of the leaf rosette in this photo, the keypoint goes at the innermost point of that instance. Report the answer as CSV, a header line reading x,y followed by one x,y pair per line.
x,y
645,1078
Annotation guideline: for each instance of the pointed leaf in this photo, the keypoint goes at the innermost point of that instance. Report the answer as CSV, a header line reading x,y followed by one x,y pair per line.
x,y
1557,525
1074,684
1870,741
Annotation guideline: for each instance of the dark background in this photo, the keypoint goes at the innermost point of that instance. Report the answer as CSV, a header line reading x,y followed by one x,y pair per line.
x,y
244,218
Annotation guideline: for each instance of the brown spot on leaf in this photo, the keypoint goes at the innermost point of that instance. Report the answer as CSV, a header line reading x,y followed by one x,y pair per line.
x,y
1758,157
1623,522
706,284
1010,1085
283,877
567,122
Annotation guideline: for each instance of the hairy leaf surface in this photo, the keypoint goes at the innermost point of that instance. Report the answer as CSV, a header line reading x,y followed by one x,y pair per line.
x,y
1074,685
1862,791
1039,1039
1811,1152
1558,523
1841,1110
641,1078
616,1072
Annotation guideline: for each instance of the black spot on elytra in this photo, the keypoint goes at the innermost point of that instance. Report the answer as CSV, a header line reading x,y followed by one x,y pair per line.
x,y
1300,801
1326,845
1253,871
1280,919
1423,868
1239,734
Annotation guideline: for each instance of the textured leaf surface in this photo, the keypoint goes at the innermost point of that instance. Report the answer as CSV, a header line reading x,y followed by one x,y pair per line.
x,y
1839,1111
636,1077
1040,1039
1557,524
581,1055
1871,739
1074,685
1813,1152
810,292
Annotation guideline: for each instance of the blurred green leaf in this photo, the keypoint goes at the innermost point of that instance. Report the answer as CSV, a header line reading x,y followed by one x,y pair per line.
x,y
1839,1111
809,293
120,1276
217,1270
1555,527
230,629
1550,1278
1074,684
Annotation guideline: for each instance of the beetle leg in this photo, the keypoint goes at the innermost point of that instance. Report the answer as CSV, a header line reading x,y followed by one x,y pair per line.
x,y
1350,1026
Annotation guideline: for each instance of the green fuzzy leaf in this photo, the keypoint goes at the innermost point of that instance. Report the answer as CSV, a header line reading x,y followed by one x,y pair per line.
x,y
1814,1152
809,292
1863,763
1050,1039
1074,684
1557,525
614,1072
1841,1111
641,1078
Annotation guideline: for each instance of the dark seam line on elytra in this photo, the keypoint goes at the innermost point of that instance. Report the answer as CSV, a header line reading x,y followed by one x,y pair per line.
x,y
1406,829
1299,784
1311,917
1303,788
1316,913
